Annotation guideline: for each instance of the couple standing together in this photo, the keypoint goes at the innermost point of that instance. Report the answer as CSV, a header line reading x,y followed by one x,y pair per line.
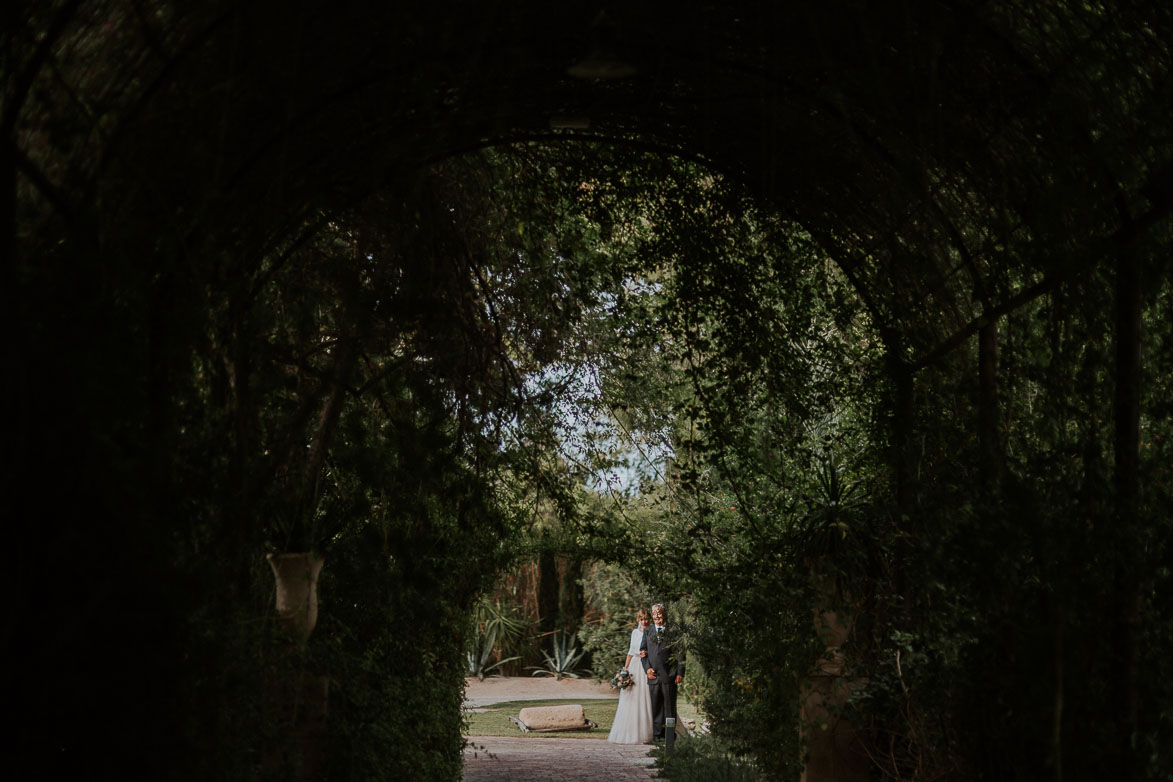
x,y
645,704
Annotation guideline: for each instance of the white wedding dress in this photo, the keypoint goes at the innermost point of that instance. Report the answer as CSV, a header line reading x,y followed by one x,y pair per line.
x,y
633,718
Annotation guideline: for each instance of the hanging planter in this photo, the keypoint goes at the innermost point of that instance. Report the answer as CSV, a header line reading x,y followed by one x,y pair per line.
x,y
296,575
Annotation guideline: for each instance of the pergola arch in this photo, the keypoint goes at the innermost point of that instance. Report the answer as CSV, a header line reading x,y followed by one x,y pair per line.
x,y
956,160
807,119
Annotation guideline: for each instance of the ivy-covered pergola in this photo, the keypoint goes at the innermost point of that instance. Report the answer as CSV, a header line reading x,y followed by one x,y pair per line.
x,y
163,163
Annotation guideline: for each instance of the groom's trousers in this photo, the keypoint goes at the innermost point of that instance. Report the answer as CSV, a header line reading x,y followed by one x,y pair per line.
x,y
663,695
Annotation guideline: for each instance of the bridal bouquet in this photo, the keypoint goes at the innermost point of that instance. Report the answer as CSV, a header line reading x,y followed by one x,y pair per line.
x,y
621,680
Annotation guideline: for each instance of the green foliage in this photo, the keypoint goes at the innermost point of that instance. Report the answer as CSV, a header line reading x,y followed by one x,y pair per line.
x,y
760,403
614,595
478,657
493,624
502,619
386,640
703,758
832,531
406,356
562,660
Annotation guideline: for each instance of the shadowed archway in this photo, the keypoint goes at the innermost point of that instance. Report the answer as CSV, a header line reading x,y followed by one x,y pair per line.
x,y
163,165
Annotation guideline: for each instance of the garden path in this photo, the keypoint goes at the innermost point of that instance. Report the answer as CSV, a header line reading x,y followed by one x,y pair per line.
x,y
548,759
523,758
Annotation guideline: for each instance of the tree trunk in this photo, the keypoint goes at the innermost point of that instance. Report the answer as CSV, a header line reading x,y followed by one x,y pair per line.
x,y
547,592
572,602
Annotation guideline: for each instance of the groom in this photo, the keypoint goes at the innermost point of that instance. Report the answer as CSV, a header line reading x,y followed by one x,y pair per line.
x,y
664,664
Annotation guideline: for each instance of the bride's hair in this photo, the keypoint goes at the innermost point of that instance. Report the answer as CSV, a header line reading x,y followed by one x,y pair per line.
x,y
642,614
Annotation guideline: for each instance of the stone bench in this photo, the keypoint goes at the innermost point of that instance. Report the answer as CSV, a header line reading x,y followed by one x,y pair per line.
x,y
548,719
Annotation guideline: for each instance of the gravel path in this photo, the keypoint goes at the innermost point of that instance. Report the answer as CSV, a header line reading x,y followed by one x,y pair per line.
x,y
520,688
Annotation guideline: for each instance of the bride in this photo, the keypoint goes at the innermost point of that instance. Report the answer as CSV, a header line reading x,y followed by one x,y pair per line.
x,y
633,718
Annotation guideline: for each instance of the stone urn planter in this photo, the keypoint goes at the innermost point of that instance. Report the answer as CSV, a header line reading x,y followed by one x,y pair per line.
x,y
297,699
296,575
834,751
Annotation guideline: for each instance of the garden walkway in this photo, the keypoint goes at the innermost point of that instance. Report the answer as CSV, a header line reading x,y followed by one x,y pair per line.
x,y
518,759
524,758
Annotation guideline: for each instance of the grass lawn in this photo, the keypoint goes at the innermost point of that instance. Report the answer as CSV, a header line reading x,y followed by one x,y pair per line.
x,y
495,720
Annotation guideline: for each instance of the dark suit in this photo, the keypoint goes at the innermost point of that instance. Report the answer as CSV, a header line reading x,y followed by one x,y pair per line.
x,y
666,656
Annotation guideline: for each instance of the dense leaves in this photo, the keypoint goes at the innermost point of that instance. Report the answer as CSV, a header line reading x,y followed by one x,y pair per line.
x,y
844,330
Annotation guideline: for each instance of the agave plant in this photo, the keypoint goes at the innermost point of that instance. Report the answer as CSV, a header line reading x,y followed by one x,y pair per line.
x,y
564,660
503,619
482,651
494,628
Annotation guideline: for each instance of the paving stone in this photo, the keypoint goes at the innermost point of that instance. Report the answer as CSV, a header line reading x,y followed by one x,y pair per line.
x,y
518,759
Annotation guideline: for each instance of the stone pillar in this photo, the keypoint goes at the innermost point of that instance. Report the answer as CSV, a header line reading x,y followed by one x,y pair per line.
x,y
834,753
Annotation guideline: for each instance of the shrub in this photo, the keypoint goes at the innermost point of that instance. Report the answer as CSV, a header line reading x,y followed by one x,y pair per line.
x,y
703,759
613,595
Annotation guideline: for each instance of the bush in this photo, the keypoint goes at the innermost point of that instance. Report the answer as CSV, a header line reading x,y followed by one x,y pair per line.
x,y
613,595
703,759
389,644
